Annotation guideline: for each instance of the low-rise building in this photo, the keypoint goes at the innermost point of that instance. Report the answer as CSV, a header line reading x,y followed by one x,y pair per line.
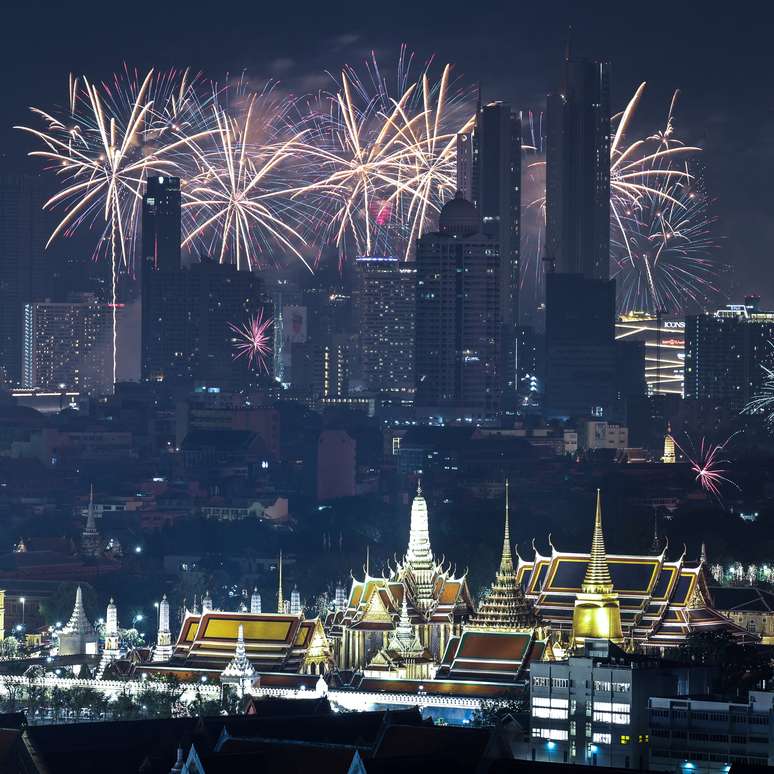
x,y
593,707
688,734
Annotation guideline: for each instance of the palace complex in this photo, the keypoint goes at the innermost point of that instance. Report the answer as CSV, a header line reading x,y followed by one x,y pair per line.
x,y
416,629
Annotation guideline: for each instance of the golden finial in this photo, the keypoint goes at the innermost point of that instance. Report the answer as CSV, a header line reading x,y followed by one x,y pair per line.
x,y
280,600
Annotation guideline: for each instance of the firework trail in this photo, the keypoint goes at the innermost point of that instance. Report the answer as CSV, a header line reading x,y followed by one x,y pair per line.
x,y
709,465
252,340
238,203
386,153
533,214
100,150
763,401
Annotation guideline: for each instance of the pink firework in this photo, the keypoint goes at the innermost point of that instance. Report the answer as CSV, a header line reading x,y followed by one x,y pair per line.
x,y
709,464
253,341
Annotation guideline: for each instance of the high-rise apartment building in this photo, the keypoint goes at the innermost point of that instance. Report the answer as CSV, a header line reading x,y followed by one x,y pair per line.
x,y
68,345
725,353
458,319
387,300
23,273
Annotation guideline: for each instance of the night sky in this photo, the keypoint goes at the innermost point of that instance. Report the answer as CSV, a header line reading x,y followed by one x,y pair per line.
x,y
719,56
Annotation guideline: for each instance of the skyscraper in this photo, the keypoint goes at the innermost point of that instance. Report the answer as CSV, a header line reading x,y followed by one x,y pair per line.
x,y
458,319
580,297
22,265
724,353
387,298
578,171
161,223
186,311
68,344
496,188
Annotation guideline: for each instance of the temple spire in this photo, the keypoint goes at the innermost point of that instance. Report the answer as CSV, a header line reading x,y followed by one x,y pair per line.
x,y
505,607
90,543
239,672
597,611
419,554
506,560
597,579
280,598
703,554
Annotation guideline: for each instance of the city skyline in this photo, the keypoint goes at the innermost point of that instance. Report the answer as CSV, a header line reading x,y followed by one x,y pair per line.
x,y
524,84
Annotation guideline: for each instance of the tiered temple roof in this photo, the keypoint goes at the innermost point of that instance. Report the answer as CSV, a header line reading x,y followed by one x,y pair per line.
x,y
433,593
505,607
661,601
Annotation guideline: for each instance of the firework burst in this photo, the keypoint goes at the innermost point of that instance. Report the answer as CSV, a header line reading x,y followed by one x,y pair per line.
x,y
661,238
100,149
387,154
252,340
709,464
238,204
763,401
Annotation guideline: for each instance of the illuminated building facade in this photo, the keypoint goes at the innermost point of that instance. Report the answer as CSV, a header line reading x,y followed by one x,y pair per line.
x,y
387,300
458,320
664,340
724,352
67,345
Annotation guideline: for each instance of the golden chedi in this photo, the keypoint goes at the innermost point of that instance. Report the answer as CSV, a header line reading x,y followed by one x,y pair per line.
x,y
597,613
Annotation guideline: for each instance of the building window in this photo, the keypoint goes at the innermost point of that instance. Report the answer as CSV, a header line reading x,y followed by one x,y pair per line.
x,y
600,685
560,682
558,734
601,738
624,739
540,682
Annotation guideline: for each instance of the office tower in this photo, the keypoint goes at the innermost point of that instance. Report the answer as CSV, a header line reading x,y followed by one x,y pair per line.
x,y
664,339
161,223
387,302
580,298
578,171
724,355
23,273
580,349
458,320
496,190
68,345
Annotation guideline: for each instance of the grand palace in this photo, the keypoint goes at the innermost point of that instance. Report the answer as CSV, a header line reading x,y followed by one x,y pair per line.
x,y
417,630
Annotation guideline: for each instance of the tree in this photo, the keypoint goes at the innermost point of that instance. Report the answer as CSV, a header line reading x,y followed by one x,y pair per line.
x,y
491,712
124,707
739,667
9,647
